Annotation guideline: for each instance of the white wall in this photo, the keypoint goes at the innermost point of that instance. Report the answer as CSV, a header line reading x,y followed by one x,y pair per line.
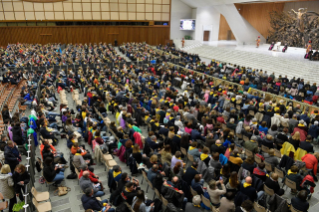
x,y
207,18
179,10
243,31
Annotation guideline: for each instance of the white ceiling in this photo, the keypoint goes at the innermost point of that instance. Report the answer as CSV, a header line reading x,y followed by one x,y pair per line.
x,y
207,3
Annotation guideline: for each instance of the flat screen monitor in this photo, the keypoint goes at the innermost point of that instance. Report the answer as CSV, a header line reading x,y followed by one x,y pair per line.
x,y
187,24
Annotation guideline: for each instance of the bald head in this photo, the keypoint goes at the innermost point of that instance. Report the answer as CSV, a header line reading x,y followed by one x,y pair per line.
x,y
175,179
248,180
218,142
86,174
274,176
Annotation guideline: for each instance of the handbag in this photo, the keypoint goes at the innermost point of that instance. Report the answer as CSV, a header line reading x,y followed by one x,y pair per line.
x,y
61,191
18,206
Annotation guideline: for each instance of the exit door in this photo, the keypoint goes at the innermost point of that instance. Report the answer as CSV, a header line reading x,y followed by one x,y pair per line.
x,y
206,35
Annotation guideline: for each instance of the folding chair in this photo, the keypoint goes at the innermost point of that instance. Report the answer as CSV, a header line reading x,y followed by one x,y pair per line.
x,y
264,148
259,208
207,202
248,153
291,184
193,192
257,159
292,209
268,190
40,196
279,172
268,166
190,158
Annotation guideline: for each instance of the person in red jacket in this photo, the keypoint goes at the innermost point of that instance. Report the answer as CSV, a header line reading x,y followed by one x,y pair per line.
x,y
311,161
93,177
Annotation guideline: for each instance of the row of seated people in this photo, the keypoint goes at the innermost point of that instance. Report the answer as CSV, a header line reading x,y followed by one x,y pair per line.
x,y
166,131
259,79
75,54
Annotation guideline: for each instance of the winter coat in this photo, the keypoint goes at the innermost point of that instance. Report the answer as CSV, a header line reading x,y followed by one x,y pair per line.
x,y
91,203
25,177
10,156
17,135
6,186
278,204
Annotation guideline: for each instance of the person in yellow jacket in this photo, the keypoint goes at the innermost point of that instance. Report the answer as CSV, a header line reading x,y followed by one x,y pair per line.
x,y
287,148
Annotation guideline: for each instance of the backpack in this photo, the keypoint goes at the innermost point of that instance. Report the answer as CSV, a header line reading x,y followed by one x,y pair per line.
x,y
41,180
38,165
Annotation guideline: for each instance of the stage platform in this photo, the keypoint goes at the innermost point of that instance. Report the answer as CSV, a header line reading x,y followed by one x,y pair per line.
x,y
290,63
292,53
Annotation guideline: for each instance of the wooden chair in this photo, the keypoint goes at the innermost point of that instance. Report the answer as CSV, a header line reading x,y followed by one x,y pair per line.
x,y
207,202
129,207
268,190
47,183
157,193
42,207
259,208
147,180
184,152
239,136
248,153
164,201
40,196
264,148
279,172
245,138
190,158
257,159
107,157
4,204
277,153
292,209
110,163
193,192
291,184
268,166
77,173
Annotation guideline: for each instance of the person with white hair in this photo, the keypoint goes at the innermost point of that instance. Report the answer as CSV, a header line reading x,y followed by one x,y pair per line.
x,y
194,206
179,123
314,131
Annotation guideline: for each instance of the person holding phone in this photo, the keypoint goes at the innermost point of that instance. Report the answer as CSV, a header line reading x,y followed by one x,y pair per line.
x,y
215,193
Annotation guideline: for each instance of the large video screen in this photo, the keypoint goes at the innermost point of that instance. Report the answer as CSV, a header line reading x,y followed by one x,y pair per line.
x,y
187,24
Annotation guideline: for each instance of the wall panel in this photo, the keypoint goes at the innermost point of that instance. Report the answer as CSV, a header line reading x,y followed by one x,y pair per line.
x,y
116,9
84,34
223,29
258,15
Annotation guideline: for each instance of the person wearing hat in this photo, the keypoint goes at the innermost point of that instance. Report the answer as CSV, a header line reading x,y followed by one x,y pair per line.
x,y
252,144
258,42
194,206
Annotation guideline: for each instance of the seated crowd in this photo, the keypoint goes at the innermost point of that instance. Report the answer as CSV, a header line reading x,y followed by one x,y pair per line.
x,y
294,88
204,149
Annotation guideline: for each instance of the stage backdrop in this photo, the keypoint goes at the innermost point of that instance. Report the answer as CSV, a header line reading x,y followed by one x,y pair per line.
x,y
84,34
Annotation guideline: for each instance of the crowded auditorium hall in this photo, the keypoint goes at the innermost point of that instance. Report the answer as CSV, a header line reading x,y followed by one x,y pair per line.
x,y
159,106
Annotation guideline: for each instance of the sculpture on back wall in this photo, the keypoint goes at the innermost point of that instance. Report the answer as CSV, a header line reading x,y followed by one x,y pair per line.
x,y
294,28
